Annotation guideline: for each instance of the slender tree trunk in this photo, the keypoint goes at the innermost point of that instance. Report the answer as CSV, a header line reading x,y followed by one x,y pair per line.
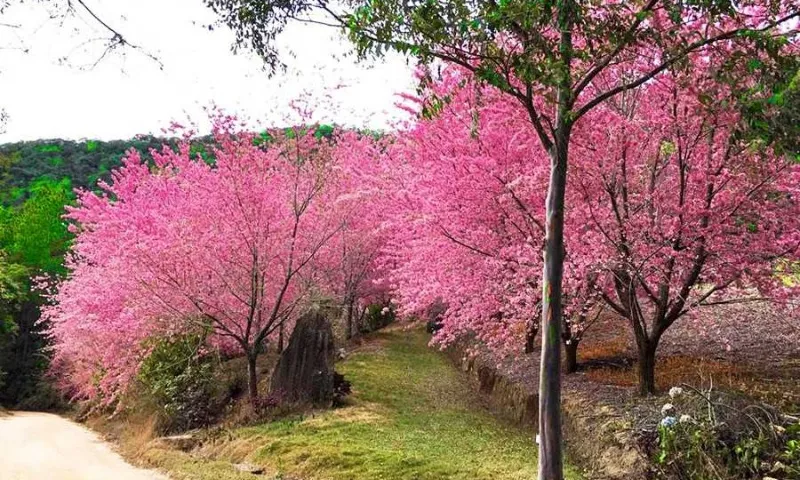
x,y
530,337
252,378
280,338
571,360
350,319
647,366
551,465
550,456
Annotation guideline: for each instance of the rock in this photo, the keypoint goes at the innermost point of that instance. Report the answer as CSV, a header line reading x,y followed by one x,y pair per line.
x,y
183,442
304,373
341,387
778,467
249,468
341,354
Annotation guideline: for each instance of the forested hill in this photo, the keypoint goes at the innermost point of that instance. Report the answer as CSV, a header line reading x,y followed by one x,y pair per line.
x,y
82,162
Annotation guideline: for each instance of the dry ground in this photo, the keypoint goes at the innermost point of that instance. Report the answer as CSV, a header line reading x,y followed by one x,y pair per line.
x,y
36,446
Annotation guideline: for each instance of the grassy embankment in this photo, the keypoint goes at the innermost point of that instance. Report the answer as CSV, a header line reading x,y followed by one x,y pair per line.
x,y
411,416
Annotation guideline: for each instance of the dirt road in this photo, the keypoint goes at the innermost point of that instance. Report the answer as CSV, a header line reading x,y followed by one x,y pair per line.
x,y
39,446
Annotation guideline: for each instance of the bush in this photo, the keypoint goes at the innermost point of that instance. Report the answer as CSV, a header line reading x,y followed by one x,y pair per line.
x,y
378,316
341,388
42,397
177,377
433,316
703,436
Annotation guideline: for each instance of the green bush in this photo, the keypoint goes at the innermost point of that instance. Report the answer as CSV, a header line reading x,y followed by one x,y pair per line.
x,y
434,314
177,377
704,437
42,397
378,316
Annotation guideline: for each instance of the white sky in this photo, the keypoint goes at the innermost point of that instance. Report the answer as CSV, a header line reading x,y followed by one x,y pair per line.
x,y
127,94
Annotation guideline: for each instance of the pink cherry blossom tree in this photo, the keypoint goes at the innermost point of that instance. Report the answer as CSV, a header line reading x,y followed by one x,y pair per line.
x,y
467,215
681,209
348,265
672,208
181,244
551,57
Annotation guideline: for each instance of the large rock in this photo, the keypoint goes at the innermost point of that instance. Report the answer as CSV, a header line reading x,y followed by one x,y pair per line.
x,y
304,373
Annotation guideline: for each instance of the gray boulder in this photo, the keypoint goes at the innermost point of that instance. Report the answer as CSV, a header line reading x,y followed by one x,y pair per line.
x,y
304,373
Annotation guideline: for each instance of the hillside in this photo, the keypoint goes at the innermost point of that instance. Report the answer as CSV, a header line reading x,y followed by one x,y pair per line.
x,y
83,163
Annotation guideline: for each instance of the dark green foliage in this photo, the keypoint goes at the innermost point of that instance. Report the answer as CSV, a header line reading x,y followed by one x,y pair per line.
x,y
773,115
12,291
325,131
257,23
82,163
24,358
263,138
177,377
770,103
378,315
433,315
33,241
7,331
203,150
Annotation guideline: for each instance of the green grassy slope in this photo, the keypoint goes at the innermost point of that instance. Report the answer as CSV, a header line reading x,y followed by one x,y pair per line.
x,y
411,416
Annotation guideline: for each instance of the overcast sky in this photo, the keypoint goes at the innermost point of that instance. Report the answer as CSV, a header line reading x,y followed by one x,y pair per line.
x,y
127,94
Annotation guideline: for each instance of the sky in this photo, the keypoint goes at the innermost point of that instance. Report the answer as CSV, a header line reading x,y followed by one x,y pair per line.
x,y
50,90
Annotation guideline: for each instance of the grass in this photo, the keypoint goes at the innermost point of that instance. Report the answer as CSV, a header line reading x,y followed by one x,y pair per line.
x,y
181,466
411,416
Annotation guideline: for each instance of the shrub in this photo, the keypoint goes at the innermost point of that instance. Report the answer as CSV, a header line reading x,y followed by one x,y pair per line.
x,y
703,436
341,388
177,377
378,316
42,397
433,316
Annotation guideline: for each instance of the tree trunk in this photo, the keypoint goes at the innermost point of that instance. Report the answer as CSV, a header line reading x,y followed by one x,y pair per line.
x,y
349,319
550,456
280,338
647,367
530,337
252,378
571,360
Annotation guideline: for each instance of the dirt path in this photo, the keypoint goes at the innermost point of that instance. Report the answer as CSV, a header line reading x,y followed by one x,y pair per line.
x,y
36,446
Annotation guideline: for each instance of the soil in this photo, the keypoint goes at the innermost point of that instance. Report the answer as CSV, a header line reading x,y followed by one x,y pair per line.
x,y
35,446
